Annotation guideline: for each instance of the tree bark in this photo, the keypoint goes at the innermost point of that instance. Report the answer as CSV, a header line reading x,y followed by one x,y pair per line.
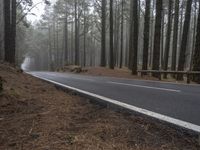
x,y
152,35
7,30
130,60
76,36
157,36
103,33
84,40
135,38
111,64
168,38
184,41
66,40
175,35
1,30
194,34
196,61
122,34
146,35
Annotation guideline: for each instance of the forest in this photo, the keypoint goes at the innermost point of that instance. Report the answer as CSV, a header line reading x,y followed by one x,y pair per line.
x,y
134,34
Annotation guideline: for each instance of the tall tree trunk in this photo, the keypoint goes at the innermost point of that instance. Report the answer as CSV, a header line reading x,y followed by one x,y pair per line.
x,y
54,45
130,60
162,39
122,34
111,64
1,30
184,41
127,45
66,40
116,34
135,38
51,67
103,34
168,38
157,36
175,35
146,35
84,42
13,32
194,34
7,30
76,36
72,43
196,62
152,35
57,45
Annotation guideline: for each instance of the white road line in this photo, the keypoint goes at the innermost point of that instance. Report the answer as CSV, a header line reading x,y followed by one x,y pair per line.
x,y
165,118
82,79
72,77
148,87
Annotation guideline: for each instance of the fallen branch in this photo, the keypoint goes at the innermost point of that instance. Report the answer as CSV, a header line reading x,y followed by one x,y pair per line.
x,y
1,84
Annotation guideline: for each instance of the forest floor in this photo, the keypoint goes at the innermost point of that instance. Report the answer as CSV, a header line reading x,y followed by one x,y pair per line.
x,y
123,73
35,115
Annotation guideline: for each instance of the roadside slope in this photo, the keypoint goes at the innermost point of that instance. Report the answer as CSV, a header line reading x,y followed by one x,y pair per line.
x,y
35,115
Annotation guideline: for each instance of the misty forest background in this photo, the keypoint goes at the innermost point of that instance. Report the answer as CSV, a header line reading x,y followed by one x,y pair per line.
x,y
133,34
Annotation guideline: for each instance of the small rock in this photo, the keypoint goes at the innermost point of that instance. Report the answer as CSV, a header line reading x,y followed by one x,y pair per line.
x,y
12,144
35,135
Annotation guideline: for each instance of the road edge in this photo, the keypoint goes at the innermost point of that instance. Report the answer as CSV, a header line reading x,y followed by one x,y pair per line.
x,y
163,118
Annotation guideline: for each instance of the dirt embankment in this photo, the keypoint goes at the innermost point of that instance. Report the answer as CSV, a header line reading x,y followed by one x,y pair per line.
x,y
34,115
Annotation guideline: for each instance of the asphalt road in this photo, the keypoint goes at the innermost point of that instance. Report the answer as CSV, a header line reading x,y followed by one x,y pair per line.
x,y
178,101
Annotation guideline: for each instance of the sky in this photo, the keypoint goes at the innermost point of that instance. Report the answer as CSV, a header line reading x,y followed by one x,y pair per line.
x,y
38,11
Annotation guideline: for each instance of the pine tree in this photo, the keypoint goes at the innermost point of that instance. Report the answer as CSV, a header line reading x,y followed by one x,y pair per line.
x,y
157,36
184,41
196,62
103,33
146,35
175,36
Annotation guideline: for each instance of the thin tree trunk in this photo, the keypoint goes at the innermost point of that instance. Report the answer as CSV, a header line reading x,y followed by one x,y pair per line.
x,y
84,42
103,34
66,39
54,44
151,35
122,34
130,60
57,45
168,38
111,64
127,45
50,51
72,43
76,36
116,34
162,39
175,36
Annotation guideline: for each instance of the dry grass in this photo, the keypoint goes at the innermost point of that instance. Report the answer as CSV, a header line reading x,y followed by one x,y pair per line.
x,y
35,115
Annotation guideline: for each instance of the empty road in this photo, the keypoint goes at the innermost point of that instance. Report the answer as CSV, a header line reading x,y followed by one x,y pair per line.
x,y
166,100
